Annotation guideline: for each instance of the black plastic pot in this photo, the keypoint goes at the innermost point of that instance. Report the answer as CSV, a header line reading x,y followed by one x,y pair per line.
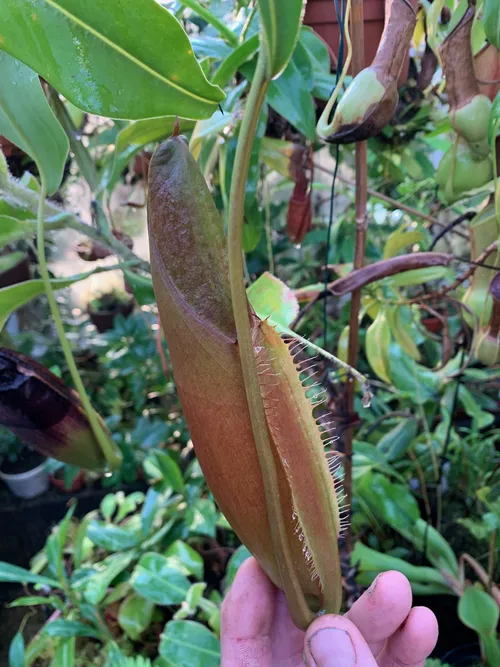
x,y
17,273
104,319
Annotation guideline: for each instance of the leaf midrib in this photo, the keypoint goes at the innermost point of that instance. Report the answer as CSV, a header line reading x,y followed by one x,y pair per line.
x,y
126,54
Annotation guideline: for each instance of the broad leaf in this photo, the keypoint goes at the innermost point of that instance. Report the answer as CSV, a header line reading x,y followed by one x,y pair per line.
x,y
281,21
201,517
108,569
290,97
26,118
401,238
478,610
188,558
110,537
396,442
162,464
123,60
272,299
189,644
155,579
135,615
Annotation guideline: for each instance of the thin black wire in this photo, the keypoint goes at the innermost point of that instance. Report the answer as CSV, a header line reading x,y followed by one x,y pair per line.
x,y
340,12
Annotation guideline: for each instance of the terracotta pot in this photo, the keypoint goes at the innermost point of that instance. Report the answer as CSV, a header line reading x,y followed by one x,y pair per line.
x,y
432,324
104,320
8,148
322,17
77,485
17,273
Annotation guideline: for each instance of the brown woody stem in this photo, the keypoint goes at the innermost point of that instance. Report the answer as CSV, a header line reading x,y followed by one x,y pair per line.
x,y
359,252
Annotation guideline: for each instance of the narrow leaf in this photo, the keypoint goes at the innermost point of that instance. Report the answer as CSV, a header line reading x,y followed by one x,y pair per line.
x,y
64,654
13,574
281,21
378,340
64,628
16,651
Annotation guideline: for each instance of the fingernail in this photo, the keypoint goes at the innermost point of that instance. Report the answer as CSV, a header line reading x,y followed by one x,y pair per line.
x,y
371,590
332,647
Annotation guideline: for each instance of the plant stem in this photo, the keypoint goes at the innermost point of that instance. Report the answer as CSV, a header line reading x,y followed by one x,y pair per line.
x,y
58,219
82,156
269,237
394,203
299,609
359,255
210,18
99,433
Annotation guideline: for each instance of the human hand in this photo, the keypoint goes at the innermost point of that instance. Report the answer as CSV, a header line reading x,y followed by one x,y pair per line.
x,y
380,629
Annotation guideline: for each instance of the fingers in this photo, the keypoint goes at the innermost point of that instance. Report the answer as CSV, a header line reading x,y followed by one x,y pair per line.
x,y
333,641
287,640
381,610
413,642
246,619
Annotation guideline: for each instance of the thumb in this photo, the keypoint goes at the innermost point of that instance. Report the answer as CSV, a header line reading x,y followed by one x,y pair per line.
x,y
334,641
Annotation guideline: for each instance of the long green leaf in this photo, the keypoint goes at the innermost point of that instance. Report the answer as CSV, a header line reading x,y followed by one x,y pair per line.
x,y
13,574
64,655
12,229
27,120
16,651
112,538
63,628
233,62
15,296
129,59
281,21
290,97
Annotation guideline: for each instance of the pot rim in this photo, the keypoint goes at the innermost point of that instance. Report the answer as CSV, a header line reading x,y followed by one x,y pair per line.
x,y
21,476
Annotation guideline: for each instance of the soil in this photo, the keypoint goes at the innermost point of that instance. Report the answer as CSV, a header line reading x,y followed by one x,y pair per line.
x,y
28,459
